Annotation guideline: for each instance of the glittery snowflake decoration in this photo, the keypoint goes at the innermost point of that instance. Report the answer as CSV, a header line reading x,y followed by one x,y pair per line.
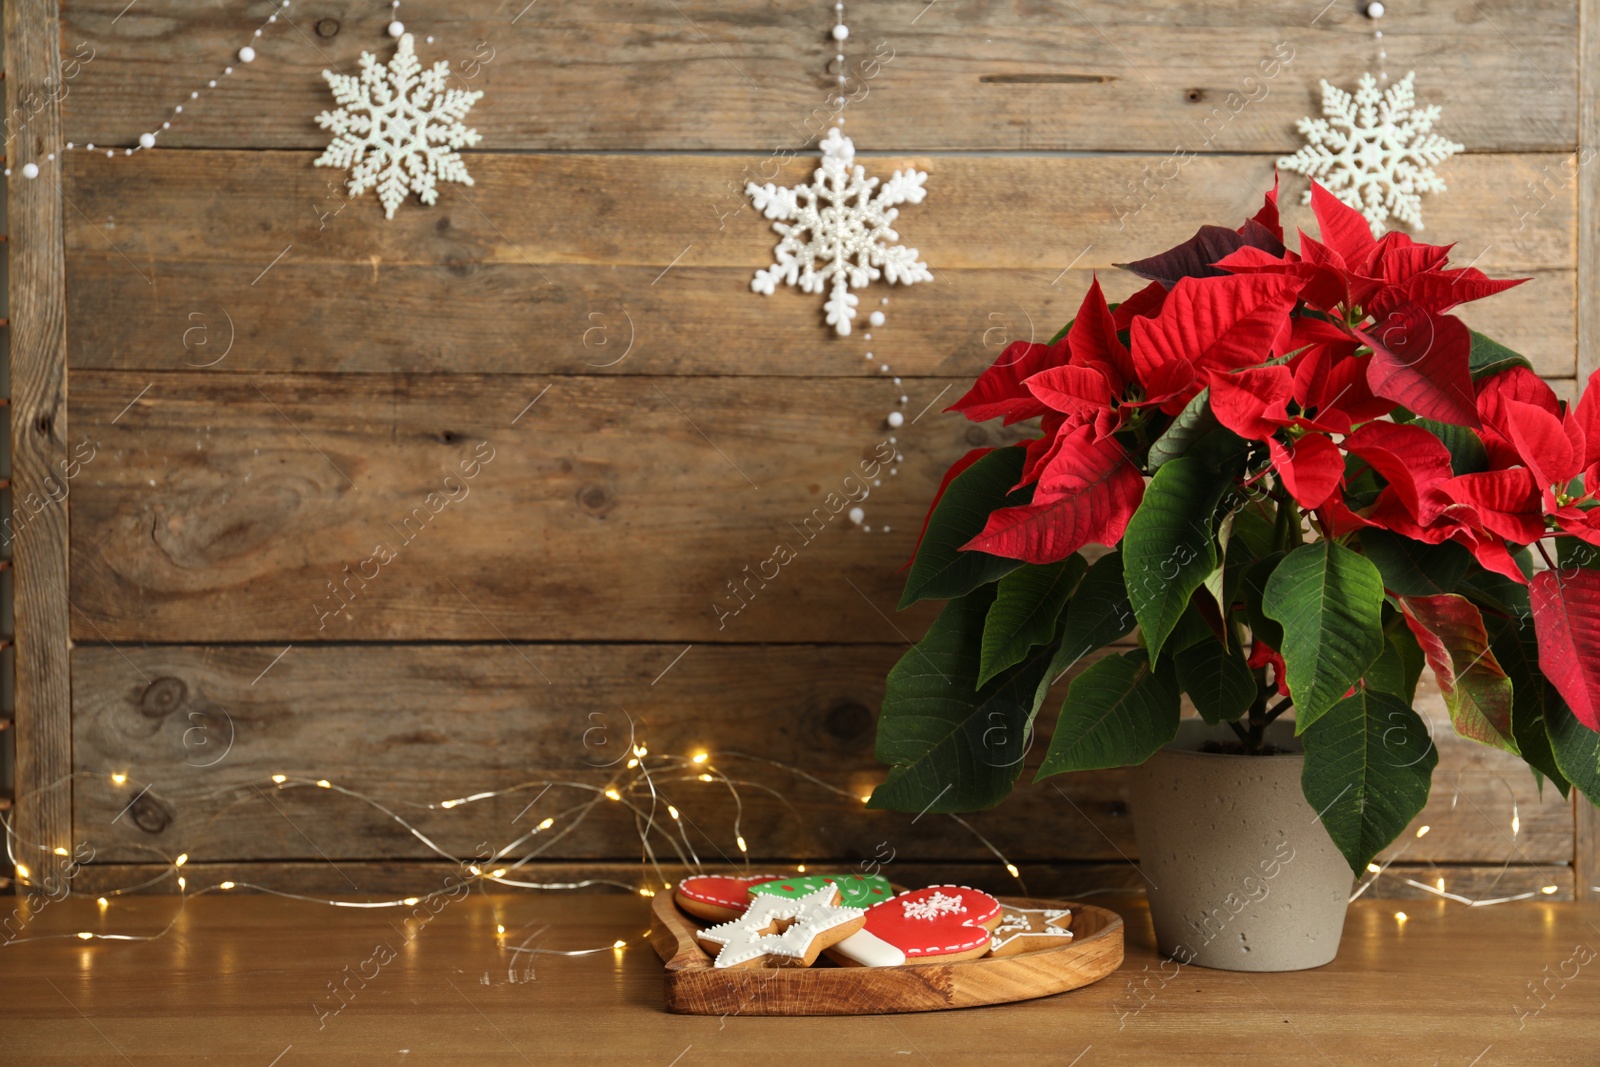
x,y
397,128
1375,151
933,906
837,231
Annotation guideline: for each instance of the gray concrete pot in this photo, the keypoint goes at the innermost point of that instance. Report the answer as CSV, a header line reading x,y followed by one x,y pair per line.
x,y
1241,874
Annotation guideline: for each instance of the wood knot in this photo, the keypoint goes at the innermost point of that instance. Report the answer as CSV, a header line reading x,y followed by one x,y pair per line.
x,y
977,435
1194,96
447,437
596,500
150,814
44,424
848,721
327,27
162,697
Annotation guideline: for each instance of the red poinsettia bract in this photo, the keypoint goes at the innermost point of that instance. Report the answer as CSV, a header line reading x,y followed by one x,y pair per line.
x,y
1329,362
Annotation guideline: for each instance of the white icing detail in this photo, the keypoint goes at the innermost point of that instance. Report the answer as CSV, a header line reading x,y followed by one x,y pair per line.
x,y
1029,922
932,907
757,932
870,950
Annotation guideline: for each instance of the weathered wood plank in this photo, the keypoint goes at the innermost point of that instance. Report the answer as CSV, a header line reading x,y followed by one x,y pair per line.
x,y
224,507
578,254
1030,212
36,531
1016,75
205,726
597,320
1085,880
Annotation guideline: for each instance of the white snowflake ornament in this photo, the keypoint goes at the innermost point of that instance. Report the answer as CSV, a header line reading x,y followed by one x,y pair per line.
x,y
1374,150
837,231
397,128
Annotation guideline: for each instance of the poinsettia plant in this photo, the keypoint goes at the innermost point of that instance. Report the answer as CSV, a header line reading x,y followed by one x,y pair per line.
x,y
1312,480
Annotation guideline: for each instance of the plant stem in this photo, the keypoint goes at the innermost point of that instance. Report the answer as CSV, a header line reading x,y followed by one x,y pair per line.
x,y
1244,738
1279,708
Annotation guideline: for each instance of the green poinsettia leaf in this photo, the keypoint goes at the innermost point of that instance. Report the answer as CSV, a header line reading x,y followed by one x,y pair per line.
x,y
1329,601
942,570
1369,762
1575,746
1027,605
1191,424
1218,682
1253,588
1489,357
952,746
1467,454
1398,667
1533,698
1117,713
1098,614
1411,568
1168,548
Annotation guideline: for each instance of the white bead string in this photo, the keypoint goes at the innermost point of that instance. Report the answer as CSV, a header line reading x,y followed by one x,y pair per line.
x,y
147,140
894,419
1375,12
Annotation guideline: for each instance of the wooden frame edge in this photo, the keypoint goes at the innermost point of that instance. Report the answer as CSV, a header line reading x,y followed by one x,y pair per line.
x,y
33,91
1586,820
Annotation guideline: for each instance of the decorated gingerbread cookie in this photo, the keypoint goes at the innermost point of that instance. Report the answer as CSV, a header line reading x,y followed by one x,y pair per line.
x,y
940,923
779,931
855,890
716,897
1025,929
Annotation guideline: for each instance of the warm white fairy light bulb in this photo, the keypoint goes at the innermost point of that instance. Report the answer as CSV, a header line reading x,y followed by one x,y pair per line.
x,y
118,779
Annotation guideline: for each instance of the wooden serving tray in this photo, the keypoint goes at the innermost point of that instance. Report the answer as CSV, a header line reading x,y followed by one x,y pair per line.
x,y
695,987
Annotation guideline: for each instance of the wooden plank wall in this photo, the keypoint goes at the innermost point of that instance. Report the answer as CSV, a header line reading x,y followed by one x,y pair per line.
x,y
273,379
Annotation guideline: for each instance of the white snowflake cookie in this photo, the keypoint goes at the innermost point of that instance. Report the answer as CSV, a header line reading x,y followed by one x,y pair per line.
x,y
397,128
837,232
1375,151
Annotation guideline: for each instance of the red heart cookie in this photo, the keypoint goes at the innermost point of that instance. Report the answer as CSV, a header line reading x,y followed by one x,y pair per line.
x,y
939,923
717,897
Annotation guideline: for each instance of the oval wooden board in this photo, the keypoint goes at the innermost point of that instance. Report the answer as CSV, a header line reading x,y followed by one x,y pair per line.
x,y
695,987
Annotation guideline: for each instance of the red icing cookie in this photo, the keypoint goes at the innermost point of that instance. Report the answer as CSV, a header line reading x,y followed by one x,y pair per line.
x,y
719,898
941,922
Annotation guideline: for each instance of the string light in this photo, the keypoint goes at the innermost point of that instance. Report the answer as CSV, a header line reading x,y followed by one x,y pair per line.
x,y
499,929
279,779
612,794
59,851
1400,917
620,944
225,885
546,824
672,811
699,757
1547,890
800,868
23,872
118,779
104,903
323,783
1422,831
183,857
740,842
85,935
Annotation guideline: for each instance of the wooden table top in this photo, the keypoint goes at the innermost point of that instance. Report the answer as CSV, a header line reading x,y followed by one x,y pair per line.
x,y
249,980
